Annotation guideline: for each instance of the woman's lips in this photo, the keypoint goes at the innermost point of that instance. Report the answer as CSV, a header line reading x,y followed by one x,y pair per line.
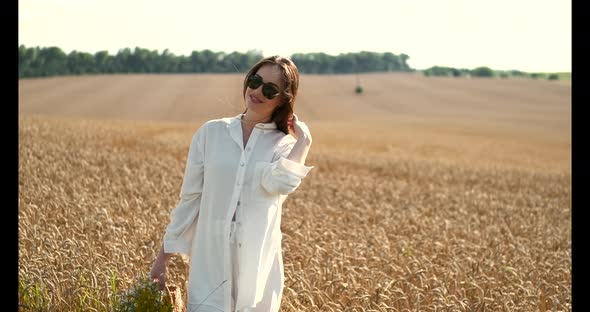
x,y
254,100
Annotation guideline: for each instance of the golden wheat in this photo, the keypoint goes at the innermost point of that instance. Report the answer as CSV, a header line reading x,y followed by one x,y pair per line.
x,y
370,230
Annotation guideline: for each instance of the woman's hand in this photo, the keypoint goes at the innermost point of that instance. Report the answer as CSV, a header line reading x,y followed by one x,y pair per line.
x,y
158,272
298,129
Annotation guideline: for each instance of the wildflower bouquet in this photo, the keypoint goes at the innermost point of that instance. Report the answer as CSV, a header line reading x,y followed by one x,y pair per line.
x,y
145,295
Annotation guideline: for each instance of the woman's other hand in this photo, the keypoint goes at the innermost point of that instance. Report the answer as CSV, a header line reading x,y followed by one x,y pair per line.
x,y
298,129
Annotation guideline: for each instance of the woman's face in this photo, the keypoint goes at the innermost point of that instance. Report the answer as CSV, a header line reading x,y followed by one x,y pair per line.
x,y
255,99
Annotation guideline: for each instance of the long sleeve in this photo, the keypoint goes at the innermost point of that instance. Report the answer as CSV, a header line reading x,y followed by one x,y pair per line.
x,y
180,231
283,176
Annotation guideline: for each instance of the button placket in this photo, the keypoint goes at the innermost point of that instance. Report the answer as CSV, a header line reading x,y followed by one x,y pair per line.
x,y
246,153
237,190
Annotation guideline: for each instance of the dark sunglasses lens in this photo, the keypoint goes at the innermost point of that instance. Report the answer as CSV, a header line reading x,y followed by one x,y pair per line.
x,y
270,92
254,82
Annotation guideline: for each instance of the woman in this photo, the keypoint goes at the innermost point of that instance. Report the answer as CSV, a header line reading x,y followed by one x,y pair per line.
x,y
238,173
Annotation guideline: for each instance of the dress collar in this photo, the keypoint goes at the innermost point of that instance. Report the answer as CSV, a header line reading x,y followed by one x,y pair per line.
x,y
269,125
235,128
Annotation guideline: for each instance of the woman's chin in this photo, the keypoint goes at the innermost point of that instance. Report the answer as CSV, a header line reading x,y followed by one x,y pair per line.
x,y
256,108
252,107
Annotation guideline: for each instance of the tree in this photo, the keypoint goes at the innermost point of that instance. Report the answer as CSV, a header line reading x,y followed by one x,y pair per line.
x,y
103,62
482,72
54,61
404,62
121,61
23,61
80,63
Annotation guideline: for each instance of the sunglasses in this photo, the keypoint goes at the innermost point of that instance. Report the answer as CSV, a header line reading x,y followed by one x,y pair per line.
x,y
269,90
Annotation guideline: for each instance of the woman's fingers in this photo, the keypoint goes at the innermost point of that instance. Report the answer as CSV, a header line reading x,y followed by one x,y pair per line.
x,y
161,282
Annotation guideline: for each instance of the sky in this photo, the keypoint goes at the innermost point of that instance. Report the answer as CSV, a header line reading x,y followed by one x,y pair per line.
x,y
526,35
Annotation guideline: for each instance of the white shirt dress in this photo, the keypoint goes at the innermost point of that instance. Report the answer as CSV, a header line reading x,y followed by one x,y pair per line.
x,y
223,177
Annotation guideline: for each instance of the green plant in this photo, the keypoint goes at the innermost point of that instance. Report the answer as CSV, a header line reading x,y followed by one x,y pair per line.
x,y
144,295
31,296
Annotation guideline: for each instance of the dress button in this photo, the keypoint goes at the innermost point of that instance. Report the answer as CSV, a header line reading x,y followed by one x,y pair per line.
x,y
242,164
248,149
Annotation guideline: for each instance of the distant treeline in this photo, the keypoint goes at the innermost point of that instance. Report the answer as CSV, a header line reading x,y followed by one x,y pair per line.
x,y
52,61
488,72
358,62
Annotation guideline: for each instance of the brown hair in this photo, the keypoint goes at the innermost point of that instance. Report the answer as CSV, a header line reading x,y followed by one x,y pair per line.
x,y
284,110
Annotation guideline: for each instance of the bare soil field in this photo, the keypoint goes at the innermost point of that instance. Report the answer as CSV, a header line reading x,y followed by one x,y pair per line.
x,y
429,194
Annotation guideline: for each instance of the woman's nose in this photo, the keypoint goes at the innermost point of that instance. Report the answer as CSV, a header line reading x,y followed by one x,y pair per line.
x,y
258,91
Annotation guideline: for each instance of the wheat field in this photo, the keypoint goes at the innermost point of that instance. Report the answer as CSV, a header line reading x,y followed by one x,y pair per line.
x,y
428,194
